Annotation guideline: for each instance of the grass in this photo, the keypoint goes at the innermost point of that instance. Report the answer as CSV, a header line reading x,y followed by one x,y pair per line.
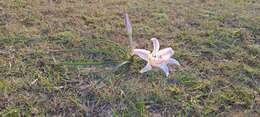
x,y
58,58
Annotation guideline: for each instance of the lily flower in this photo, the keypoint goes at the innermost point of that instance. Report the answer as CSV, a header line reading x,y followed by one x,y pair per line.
x,y
156,58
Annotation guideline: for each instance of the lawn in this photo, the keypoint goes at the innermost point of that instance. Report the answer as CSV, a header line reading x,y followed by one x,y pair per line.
x,y
59,58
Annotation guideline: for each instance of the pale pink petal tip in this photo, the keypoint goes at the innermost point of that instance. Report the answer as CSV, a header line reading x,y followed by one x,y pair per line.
x,y
173,61
146,68
166,53
165,69
156,45
141,53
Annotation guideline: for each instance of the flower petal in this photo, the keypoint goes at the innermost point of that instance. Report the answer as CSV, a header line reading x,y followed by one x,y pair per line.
x,y
141,53
173,61
146,68
156,45
165,69
166,53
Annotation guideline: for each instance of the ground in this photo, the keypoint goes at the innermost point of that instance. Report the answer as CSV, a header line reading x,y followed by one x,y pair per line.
x,y
59,58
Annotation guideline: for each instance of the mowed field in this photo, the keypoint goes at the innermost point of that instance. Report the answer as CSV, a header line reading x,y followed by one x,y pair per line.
x,y
58,58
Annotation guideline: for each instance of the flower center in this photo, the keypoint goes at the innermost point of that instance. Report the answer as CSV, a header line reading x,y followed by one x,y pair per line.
x,y
155,59
156,56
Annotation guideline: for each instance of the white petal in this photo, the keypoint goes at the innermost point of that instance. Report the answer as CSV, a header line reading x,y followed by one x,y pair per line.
x,y
173,61
165,69
166,53
156,45
146,68
141,53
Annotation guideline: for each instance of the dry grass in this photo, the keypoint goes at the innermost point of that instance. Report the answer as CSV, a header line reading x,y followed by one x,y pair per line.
x,y
57,57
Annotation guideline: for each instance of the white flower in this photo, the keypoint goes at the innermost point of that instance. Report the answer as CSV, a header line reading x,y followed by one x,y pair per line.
x,y
158,58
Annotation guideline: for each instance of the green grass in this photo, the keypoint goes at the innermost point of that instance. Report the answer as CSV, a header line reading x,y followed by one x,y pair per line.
x,y
59,58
